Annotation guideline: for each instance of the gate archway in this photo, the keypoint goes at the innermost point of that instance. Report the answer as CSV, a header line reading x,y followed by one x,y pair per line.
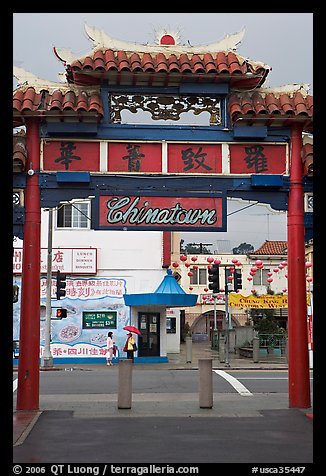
x,y
251,149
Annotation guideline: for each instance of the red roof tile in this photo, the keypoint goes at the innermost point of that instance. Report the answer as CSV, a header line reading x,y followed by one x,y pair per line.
x,y
272,107
308,159
28,102
19,152
271,248
226,66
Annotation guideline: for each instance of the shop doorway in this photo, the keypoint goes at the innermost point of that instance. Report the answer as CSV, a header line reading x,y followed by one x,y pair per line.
x,y
149,341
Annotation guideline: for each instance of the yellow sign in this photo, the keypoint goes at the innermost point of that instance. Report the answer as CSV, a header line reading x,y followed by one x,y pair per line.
x,y
268,301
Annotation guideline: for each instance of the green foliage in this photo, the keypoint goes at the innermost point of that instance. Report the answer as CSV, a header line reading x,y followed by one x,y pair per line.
x,y
264,321
243,249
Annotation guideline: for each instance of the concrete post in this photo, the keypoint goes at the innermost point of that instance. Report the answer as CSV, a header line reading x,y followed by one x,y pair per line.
x,y
255,349
125,383
221,348
188,349
205,383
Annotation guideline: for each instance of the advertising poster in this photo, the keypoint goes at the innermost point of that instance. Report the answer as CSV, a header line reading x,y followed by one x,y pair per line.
x,y
94,306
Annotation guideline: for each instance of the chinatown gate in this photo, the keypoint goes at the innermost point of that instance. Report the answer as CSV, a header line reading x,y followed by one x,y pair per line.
x,y
165,175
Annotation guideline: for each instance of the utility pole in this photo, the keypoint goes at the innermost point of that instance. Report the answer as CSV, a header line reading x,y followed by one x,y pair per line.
x,y
47,359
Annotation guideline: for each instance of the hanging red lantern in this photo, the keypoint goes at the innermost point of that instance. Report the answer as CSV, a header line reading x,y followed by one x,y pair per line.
x,y
206,290
190,273
209,266
183,258
284,263
175,265
253,269
258,262
284,290
187,265
309,279
210,259
234,261
195,266
217,261
276,270
270,274
249,278
253,290
230,277
269,280
308,264
190,289
194,258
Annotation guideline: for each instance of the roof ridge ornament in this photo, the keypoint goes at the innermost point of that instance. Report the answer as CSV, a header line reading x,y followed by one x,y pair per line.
x,y
26,80
167,42
289,89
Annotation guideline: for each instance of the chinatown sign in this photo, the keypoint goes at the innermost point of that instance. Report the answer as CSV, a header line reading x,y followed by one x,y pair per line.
x,y
187,213
164,157
268,301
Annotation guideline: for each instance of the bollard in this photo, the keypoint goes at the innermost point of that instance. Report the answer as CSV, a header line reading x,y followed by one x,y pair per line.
x,y
221,349
188,349
205,383
125,383
255,349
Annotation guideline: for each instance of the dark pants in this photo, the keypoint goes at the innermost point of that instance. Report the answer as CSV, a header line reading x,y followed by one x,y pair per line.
x,y
130,354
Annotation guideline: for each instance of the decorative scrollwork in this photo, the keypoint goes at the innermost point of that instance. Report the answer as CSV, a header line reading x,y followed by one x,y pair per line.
x,y
165,107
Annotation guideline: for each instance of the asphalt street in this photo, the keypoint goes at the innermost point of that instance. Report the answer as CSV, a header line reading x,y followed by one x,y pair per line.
x,y
250,421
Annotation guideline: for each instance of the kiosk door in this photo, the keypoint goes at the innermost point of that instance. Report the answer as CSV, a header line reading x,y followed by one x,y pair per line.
x,y
149,341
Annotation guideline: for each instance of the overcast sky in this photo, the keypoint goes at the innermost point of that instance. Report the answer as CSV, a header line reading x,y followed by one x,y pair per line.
x,y
284,41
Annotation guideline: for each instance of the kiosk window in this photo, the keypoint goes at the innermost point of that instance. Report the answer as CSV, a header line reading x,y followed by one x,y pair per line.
x,y
171,325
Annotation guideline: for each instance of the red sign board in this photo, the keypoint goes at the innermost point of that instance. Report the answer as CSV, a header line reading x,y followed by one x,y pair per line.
x,y
176,158
257,158
134,157
195,158
71,156
192,213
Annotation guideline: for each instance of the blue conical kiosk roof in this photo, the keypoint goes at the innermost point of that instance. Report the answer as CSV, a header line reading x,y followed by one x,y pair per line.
x,y
169,293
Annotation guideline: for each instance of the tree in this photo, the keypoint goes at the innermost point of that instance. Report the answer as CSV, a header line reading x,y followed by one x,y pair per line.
x,y
264,320
243,249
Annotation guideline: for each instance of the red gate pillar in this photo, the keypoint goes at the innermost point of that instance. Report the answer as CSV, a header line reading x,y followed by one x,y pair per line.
x,y
298,356
29,347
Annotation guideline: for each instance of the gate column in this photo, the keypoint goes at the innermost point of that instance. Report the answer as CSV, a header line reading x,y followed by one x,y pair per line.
x,y
298,358
29,347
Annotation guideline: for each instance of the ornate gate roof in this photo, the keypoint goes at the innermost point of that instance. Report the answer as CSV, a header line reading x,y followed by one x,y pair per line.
x,y
166,63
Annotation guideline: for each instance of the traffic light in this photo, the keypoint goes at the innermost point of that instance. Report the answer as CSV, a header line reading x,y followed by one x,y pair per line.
x,y
214,278
237,280
61,313
61,285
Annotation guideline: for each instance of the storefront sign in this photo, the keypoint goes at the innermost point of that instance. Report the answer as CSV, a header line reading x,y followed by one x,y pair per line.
x,y
65,260
259,302
207,212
